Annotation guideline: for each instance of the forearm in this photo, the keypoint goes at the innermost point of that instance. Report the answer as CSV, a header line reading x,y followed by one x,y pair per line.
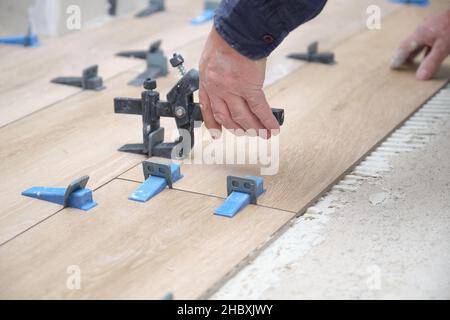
x,y
256,27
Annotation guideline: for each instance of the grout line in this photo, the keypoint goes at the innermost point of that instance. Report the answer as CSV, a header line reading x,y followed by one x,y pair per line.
x,y
134,181
364,170
120,73
210,195
58,101
30,227
58,211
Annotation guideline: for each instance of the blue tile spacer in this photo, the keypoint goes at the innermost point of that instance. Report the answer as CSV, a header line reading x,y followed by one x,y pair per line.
x,y
422,3
74,196
241,192
205,16
28,40
158,176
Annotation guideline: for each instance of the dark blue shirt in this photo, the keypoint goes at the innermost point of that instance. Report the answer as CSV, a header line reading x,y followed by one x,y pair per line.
x,y
256,27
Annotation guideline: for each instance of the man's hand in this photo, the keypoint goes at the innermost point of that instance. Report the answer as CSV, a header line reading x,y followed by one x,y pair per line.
x,y
434,36
231,90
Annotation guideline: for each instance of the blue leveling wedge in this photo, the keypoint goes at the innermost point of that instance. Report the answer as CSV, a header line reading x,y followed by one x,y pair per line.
x,y
208,12
76,195
28,40
422,3
241,192
158,176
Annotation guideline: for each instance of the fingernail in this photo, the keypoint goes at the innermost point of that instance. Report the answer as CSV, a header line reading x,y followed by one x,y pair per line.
x,y
400,57
215,134
263,133
423,74
398,60
251,133
275,132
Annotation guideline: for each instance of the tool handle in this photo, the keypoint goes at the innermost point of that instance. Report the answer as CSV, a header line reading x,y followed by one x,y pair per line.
x,y
277,112
279,115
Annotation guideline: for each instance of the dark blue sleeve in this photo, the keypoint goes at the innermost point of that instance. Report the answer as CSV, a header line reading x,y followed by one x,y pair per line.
x,y
256,27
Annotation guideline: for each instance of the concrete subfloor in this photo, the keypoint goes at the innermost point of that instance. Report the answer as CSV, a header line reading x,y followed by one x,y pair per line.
x,y
388,239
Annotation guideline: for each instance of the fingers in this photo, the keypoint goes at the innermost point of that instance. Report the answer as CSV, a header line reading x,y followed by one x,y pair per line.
x,y
241,114
411,46
222,115
208,117
231,111
258,105
432,34
230,90
433,60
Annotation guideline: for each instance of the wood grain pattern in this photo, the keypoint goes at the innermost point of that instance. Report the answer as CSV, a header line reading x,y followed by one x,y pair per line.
x,y
55,146
126,249
80,135
75,137
174,243
26,73
339,20
334,116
